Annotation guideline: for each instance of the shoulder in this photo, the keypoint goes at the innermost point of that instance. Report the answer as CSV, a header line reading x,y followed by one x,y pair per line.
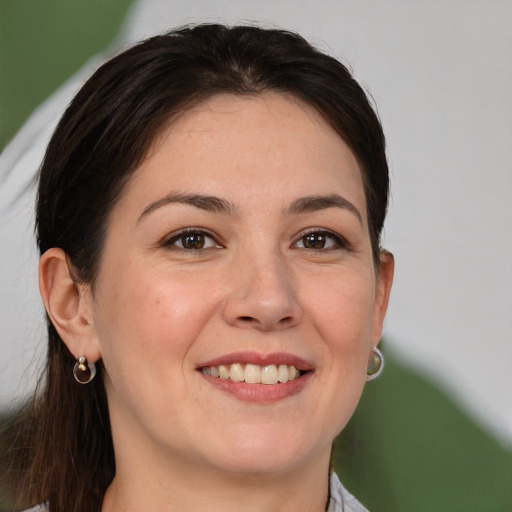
x,y
341,499
37,508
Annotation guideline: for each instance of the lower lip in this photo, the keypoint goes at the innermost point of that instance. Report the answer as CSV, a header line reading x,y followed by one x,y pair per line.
x,y
260,393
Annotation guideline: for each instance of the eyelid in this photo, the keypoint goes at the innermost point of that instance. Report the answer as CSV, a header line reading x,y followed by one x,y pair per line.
x,y
341,242
169,239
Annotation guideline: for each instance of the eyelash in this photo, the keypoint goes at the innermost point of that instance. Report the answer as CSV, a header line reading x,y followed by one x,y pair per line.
x,y
337,241
181,235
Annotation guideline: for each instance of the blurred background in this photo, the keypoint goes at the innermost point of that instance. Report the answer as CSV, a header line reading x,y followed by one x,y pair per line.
x,y
434,433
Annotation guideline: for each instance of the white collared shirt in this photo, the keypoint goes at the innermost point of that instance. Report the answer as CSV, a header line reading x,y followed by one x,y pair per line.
x,y
341,500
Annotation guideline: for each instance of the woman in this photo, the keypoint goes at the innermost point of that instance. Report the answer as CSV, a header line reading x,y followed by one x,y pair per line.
x,y
209,216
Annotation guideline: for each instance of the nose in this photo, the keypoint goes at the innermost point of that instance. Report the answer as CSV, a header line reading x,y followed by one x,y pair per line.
x,y
262,295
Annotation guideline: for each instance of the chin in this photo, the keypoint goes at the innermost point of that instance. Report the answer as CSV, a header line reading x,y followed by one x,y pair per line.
x,y
259,454
259,464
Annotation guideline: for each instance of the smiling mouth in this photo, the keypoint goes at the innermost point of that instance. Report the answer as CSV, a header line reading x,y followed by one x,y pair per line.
x,y
254,374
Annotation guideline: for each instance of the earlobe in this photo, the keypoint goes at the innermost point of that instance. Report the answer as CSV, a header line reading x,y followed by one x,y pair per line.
x,y
68,305
384,282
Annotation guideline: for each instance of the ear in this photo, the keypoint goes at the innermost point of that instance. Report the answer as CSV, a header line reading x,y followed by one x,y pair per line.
x,y
68,304
383,289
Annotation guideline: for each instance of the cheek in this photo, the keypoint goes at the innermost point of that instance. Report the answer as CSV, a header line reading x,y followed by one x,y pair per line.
x,y
146,319
342,310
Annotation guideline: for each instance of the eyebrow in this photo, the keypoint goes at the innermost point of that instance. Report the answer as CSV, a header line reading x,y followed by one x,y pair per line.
x,y
214,204
208,203
314,203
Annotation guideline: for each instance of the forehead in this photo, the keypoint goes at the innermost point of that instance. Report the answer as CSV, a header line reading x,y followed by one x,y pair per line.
x,y
249,117
270,142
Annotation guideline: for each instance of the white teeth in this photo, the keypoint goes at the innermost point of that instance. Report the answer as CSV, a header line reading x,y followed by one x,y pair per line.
x,y
283,373
224,372
293,373
252,373
236,373
269,374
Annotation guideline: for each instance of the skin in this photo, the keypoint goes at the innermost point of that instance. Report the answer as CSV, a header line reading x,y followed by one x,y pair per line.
x,y
158,312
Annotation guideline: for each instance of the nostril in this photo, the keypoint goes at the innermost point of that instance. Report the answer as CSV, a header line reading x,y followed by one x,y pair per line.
x,y
251,320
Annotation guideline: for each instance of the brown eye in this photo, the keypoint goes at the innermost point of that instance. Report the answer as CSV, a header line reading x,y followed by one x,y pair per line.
x,y
320,240
314,241
192,241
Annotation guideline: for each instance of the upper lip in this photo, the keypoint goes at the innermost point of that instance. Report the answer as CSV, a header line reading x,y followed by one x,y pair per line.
x,y
276,358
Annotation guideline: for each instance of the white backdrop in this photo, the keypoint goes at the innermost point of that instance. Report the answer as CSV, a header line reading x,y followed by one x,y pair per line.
x,y
441,75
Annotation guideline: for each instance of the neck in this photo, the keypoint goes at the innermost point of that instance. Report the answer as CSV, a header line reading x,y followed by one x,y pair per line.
x,y
183,486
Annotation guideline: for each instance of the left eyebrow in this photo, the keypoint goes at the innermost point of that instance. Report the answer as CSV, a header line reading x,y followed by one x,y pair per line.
x,y
203,202
314,203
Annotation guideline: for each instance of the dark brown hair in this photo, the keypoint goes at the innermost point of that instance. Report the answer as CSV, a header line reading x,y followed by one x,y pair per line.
x,y
63,451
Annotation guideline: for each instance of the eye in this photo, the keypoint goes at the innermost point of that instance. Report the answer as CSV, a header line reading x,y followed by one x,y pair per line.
x,y
192,240
321,240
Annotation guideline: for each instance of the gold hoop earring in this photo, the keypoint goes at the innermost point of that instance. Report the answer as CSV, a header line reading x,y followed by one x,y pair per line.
x,y
375,364
83,371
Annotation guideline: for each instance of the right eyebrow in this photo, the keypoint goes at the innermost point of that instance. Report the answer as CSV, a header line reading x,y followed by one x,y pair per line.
x,y
203,202
314,203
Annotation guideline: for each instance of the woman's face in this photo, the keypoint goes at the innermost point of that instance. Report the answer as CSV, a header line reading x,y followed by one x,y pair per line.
x,y
240,247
